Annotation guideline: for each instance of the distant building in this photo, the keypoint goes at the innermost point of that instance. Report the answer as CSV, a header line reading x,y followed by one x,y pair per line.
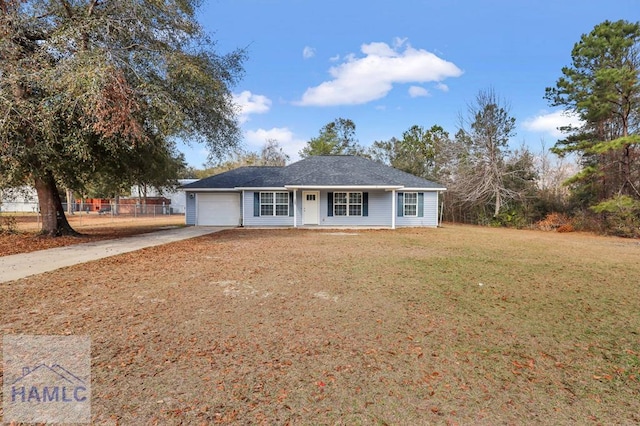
x,y
25,199
92,205
21,199
177,195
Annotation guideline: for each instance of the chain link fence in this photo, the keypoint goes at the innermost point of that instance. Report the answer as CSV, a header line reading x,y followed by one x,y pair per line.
x,y
26,215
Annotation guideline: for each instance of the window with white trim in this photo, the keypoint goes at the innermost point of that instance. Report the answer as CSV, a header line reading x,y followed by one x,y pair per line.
x,y
274,204
347,203
411,204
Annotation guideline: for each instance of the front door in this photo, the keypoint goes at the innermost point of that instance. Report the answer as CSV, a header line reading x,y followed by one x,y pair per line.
x,y
310,208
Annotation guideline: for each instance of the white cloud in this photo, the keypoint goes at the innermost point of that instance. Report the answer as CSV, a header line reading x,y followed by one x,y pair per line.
x,y
549,122
399,41
358,80
334,58
248,103
350,57
417,92
290,144
443,87
308,52
378,49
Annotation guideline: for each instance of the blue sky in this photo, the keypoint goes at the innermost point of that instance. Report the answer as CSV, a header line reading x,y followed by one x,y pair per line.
x,y
391,65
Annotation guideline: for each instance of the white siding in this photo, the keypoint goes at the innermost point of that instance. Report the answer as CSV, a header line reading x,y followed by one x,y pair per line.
x,y
22,199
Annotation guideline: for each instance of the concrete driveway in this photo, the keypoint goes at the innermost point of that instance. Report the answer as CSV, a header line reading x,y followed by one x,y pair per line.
x,y
19,266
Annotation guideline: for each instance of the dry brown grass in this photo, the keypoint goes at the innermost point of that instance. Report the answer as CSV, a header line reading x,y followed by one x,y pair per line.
x,y
83,221
92,227
459,325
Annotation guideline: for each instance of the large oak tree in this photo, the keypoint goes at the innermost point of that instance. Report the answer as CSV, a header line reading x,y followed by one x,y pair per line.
x,y
92,88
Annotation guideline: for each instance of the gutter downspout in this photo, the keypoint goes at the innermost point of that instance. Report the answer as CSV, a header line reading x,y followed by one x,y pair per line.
x,y
295,209
243,209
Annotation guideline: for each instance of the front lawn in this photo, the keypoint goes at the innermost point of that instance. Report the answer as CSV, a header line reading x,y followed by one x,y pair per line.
x,y
459,325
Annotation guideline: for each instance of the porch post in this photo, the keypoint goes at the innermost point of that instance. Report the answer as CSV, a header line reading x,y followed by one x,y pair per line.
x,y
242,207
393,209
295,210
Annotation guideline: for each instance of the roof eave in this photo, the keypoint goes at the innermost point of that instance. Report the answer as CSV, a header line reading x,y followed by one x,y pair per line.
x,y
211,190
386,187
423,189
288,187
261,188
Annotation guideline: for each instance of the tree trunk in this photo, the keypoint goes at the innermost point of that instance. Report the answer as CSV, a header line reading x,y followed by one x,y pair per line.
x,y
54,221
144,198
69,194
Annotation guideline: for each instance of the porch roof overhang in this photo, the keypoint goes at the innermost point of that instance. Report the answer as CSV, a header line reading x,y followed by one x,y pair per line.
x,y
261,188
341,187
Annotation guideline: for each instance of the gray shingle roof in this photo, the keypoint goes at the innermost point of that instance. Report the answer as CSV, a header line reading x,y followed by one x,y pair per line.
x,y
232,178
322,170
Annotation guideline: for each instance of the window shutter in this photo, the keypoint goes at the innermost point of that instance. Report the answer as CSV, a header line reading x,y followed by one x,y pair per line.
x,y
291,206
256,204
365,204
400,206
420,204
330,204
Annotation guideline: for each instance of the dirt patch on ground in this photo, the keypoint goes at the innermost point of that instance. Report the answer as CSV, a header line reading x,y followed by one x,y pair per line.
x,y
92,227
383,327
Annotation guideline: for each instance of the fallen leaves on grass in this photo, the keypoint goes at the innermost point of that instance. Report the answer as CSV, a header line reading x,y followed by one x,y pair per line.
x,y
26,242
184,334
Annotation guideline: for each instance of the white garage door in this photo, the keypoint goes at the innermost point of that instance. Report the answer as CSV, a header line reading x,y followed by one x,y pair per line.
x,y
218,210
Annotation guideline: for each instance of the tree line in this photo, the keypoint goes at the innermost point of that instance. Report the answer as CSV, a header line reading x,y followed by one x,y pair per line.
x,y
589,179
490,183
486,181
